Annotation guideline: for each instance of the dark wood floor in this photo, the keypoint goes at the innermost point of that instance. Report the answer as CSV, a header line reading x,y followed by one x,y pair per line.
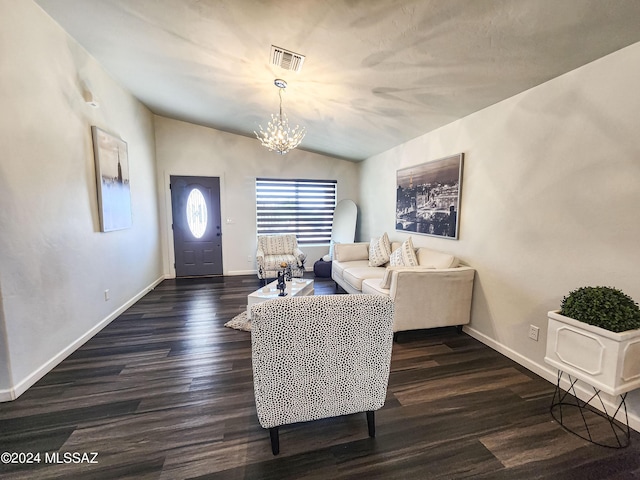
x,y
165,392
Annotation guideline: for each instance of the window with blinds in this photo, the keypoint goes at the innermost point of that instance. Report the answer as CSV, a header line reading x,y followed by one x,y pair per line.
x,y
303,207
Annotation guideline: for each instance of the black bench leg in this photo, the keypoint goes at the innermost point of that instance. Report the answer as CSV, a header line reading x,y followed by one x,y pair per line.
x,y
275,440
371,423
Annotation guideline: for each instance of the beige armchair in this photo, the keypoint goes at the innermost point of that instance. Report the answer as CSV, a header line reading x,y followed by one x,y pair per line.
x,y
276,249
320,356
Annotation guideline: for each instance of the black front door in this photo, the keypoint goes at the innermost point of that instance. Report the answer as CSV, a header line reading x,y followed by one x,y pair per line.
x,y
197,237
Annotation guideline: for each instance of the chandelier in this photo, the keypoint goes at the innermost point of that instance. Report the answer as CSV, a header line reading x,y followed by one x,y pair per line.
x,y
278,137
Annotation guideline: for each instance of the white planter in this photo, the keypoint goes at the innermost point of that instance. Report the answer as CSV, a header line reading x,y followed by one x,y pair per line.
x,y
606,360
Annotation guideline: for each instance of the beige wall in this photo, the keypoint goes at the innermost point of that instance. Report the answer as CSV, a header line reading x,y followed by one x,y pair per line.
x,y
187,149
550,199
54,262
6,380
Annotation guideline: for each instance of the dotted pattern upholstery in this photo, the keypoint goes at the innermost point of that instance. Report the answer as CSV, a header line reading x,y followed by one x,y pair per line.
x,y
320,356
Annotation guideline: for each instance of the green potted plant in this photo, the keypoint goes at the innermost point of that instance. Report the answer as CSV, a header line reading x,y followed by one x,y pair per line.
x,y
595,337
604,307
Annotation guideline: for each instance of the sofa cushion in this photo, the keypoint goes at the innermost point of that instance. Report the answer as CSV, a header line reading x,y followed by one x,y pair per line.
x,y
273,262
379,250
347,252
404,256
385,281
340,267
355,275
374,286
434,259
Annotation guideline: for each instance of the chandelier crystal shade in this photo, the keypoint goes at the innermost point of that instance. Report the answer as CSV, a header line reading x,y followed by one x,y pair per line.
x,y
278,136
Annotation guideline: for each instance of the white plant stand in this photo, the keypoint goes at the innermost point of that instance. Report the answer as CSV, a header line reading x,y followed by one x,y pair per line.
x,y
608,362
620,433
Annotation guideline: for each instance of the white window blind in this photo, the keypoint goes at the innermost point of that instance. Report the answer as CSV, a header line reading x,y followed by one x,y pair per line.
x,y
303,207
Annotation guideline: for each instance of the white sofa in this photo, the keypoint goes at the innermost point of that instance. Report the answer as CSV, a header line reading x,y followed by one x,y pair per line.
x,y
436,293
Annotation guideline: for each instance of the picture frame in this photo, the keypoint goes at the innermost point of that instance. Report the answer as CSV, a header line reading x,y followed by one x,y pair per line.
x,y
112,180
428,197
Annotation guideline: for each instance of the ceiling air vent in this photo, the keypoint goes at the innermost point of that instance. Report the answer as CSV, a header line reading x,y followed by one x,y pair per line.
x,y
286,59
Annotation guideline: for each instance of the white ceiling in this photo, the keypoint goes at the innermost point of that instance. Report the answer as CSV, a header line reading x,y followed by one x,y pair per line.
x,y
377,72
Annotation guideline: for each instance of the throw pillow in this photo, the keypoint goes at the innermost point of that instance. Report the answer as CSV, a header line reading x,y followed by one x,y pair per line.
x,y
395,258
434,259
346,252
404,256
379,251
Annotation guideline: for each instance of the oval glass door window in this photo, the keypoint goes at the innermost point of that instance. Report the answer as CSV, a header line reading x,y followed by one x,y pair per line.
x,y
196,213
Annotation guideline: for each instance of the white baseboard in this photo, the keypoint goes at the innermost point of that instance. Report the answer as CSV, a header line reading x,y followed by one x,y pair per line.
x,y
7,395
551,375
545,372
26,383
232,273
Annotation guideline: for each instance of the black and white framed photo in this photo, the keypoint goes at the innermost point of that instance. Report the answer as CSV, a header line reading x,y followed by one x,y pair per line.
x,y
428,197
112,172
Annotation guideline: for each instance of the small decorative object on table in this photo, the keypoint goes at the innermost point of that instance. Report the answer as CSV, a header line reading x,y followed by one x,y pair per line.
x,y
288,274
281,280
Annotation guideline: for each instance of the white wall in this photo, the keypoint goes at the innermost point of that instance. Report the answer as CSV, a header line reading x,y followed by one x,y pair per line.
x,y
6,381
54,262
550,199
187,149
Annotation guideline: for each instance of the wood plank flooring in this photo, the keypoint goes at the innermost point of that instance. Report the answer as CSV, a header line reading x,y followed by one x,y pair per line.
x,y
165,392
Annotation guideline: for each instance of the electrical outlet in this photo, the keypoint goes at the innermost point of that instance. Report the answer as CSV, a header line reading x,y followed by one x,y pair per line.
x,y
533,332
106,295
249,258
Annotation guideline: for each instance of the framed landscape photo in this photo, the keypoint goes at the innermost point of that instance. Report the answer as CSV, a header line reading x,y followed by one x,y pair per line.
x,y
112,179
428,197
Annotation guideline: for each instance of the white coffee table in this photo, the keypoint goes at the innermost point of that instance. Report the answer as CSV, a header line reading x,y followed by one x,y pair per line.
x,y
297,287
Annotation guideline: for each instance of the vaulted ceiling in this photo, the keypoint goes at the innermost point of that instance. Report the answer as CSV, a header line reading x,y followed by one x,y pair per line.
x,y
377,72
